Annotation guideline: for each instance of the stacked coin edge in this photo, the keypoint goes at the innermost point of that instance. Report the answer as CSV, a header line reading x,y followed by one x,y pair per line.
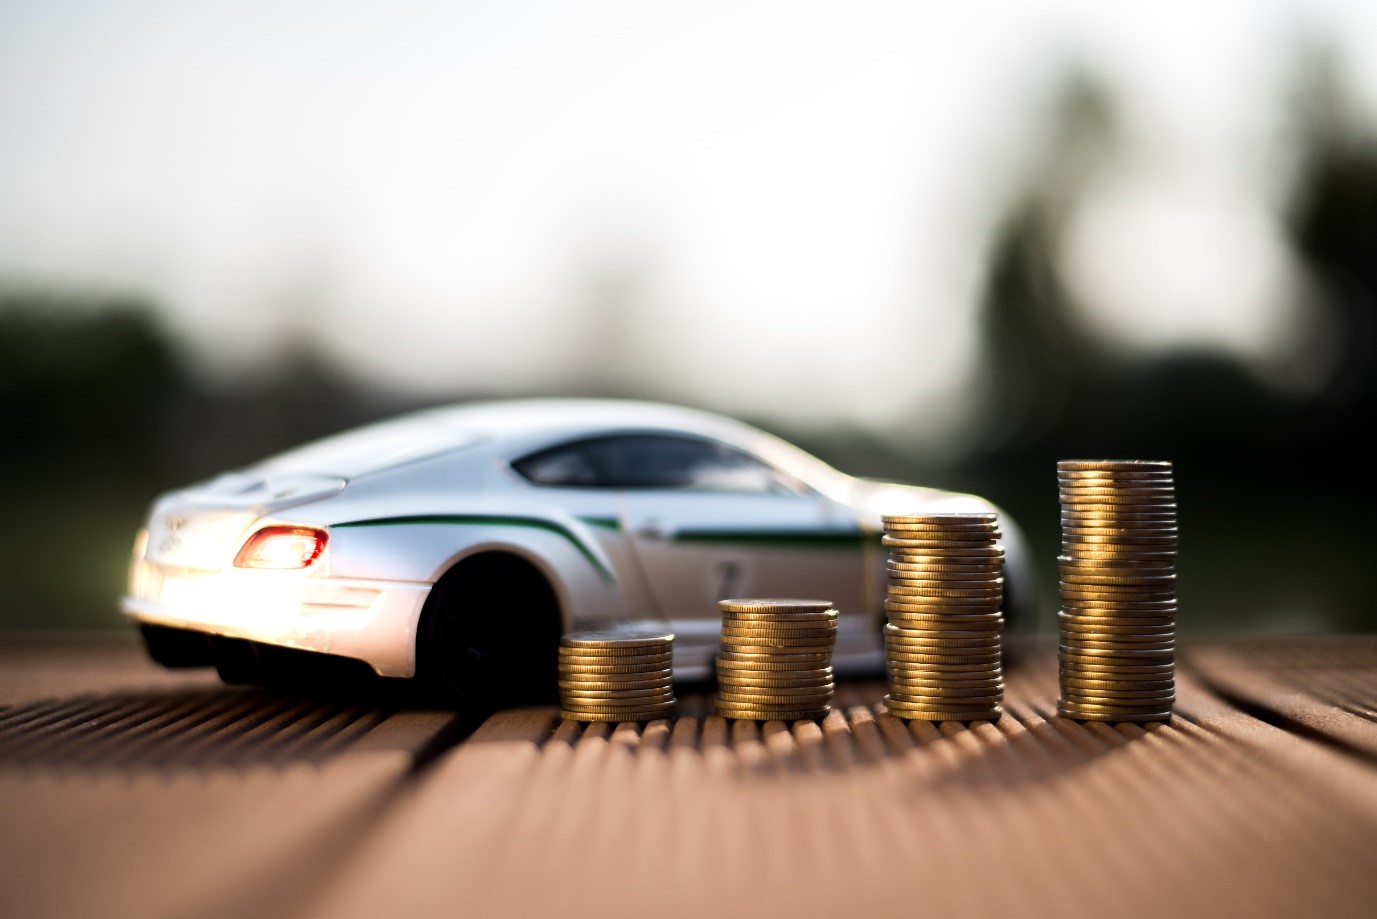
x,y
943,638
616,675
1117,623
774,662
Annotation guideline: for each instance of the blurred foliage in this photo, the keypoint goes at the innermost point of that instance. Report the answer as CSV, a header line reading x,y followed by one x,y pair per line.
x,y
99,410
1268,477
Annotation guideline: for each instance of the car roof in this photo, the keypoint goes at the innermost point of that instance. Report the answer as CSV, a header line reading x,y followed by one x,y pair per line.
x,y
512,426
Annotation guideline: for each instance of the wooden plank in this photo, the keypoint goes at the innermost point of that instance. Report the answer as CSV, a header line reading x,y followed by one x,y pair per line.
x,y
154,797
1326,685
136,797
1212,814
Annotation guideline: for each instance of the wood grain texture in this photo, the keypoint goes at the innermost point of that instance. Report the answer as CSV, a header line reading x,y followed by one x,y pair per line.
x,y
1259,798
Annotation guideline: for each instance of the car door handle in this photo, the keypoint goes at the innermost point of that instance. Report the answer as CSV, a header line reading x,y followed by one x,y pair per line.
x,y
654,529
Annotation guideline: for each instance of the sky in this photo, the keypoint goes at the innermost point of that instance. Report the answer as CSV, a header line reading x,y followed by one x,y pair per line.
x,y
788,205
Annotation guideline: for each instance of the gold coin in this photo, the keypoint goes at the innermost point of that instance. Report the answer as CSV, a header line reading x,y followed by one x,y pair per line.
x,y
1107,553
1077,631
1111,705
1082,716
1071,593
748,695
989,584
738,636
1127,611
1096,708
944,567
899,664
974,703
821,658
1083,586
1136,515
1118,580
900,689
1119,683
973,518
1128,636
1092,487
917,654
981,545
756,713
944,690
781,641
763,668
1121,670
900,593
986,626
617,639
915,605
657,709
764,703
1115,468
771,629
1114,566
1075,531
955,633
926,713
614,655
592,717
768,686
658,693
923,675
636,670
774,605
785,619
1140,502
931,646
614,679
903,639
985,622
601,682
781,645
1076,651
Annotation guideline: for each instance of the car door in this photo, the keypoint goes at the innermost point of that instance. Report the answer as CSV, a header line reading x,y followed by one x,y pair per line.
x,y
708,521
566,478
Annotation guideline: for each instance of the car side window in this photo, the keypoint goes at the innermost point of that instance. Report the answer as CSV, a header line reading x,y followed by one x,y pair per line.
x,y
652,461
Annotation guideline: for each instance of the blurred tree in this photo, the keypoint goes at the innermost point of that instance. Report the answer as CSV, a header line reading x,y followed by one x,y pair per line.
x,y
1247,452
85,381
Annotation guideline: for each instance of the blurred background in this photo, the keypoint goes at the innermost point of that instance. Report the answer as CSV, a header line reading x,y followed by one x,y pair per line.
x,y
941,243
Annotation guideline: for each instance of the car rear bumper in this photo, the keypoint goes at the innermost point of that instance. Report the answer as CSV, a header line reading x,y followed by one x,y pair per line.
x,y
371,621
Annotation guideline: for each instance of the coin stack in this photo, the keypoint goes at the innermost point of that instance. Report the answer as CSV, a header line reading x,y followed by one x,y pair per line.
x,y
616,675
942,642
1118,589
775,660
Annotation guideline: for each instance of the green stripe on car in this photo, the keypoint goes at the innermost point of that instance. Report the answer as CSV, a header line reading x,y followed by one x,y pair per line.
x,y
535,523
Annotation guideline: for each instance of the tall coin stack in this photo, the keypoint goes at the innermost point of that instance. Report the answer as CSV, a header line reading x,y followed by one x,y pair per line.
x,y
616,675
1118,589
775,660
942,642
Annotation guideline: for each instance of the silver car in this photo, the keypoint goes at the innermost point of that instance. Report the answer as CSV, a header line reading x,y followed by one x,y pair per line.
x,y
457,544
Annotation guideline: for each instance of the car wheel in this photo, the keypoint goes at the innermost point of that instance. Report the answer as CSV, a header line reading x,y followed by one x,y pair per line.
x,y
489,634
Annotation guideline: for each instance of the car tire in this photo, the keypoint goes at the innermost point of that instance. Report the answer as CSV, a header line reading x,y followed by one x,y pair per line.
x,y
489,634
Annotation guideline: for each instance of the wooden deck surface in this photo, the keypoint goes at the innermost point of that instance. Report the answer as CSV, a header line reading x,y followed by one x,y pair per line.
x,y
126,790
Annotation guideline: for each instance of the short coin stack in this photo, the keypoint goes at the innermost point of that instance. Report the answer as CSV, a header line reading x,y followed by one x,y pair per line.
x,y
616,675
775,660
942,642
1118,589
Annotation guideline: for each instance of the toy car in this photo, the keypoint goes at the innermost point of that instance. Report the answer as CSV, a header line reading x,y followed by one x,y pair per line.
x,y
457,544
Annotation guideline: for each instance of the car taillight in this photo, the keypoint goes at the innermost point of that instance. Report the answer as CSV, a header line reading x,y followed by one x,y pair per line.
x,y
282,547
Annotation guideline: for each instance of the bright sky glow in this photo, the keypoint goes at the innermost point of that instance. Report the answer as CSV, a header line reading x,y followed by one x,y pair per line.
x,y
798,196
